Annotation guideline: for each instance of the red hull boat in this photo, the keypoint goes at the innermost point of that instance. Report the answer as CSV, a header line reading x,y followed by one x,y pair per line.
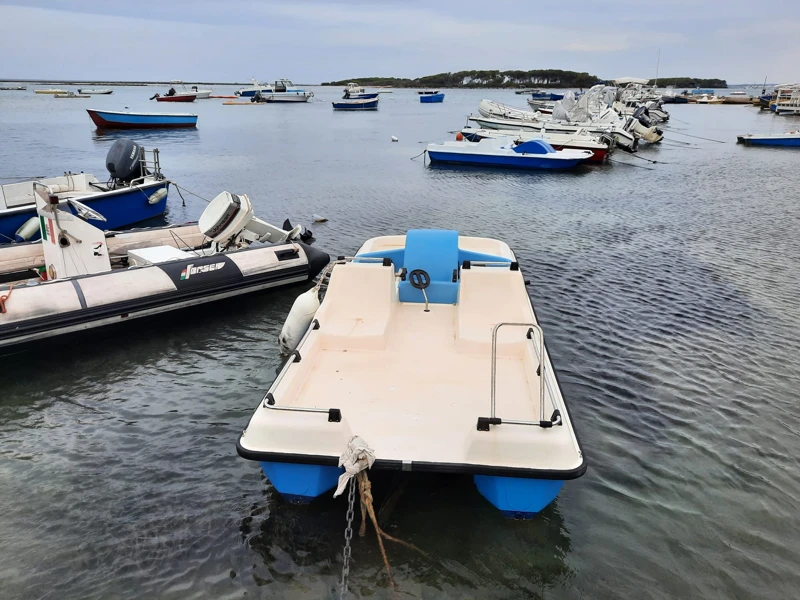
x,y
176,98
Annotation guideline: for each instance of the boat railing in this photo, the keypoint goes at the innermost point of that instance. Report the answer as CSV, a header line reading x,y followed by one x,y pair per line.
x,y
485,423
150,168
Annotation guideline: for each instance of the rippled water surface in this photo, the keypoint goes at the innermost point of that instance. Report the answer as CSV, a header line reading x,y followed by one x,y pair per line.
x,y
668,292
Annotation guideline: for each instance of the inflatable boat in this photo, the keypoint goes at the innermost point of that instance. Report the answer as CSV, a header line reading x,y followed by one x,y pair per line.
x,y
84,284
426,350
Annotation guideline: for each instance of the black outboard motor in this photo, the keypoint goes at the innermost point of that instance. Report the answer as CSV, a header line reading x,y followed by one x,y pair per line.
x,y
123,161
641,114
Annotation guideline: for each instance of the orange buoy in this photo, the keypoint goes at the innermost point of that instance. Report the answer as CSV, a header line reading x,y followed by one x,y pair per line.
x,y
459,137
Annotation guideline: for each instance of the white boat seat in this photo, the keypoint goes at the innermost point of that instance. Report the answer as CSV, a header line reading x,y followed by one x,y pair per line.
x,y
488,296
365,296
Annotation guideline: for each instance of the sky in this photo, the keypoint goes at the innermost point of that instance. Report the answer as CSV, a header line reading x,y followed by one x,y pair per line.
x,y
310,41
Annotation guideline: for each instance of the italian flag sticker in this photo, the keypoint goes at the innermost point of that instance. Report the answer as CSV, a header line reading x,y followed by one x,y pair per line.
x,y
47,229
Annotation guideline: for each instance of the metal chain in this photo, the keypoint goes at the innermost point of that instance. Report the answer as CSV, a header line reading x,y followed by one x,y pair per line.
x,y
348,535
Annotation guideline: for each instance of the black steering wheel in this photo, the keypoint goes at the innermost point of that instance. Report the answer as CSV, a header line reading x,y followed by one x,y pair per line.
x,y
419,279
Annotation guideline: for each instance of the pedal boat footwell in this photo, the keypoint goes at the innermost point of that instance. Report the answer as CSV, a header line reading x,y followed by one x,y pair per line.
x,y
417,384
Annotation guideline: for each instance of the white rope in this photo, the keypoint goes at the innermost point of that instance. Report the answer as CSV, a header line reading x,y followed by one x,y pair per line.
x,y
357,457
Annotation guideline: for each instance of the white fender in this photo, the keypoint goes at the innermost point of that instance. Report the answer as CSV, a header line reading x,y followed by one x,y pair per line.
x,y
298,320
27,229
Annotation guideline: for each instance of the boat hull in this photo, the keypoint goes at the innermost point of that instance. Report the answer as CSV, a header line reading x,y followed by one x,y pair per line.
x,y
356,105
121,208
431,98
518,498
288,98
95,301
119,120
598,154
793,142
510,162
177,98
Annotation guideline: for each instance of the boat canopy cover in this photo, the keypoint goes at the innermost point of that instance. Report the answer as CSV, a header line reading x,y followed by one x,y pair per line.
x,y
559,112
534,147
568,101
627,80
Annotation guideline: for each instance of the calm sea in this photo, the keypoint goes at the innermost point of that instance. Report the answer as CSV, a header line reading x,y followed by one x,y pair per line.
x,y
668,293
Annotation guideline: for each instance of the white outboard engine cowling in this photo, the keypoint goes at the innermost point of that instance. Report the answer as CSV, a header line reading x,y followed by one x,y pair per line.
x,y
228,220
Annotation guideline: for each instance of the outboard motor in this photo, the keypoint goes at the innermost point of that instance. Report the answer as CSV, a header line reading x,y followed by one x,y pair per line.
x,y
641,115
123,161
229,222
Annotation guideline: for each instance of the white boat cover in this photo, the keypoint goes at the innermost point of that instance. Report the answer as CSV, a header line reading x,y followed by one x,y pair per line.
x,y
627,80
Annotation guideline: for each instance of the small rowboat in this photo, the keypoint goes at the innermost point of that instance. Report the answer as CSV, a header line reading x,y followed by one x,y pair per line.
x,y
357,104
103,92
70,95
600,144
431,98
111,119
49,91
790,139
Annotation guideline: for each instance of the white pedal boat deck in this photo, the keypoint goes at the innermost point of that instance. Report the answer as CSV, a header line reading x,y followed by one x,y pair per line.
x,y
417,385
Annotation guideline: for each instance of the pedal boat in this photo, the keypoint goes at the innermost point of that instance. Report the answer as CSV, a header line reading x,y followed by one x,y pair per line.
x,y
426,345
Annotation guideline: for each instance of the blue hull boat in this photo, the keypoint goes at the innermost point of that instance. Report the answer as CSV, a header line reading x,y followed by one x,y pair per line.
x,y
548,96
109,119
425,355
791,140
431,98
506,152
362,104
136,191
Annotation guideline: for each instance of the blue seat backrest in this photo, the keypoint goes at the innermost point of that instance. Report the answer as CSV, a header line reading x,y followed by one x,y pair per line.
x,y
435,251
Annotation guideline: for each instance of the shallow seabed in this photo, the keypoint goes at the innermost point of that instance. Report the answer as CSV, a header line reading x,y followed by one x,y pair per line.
x,y
668,293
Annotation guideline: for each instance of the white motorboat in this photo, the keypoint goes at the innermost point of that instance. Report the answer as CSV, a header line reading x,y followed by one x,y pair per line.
x,y
284,90
195,91
426,352
84,286
102,92
600,145
710,99
252,90
606,122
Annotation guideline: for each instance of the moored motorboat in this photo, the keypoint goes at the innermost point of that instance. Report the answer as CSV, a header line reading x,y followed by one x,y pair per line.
x,y
103,92
431,98
506,152
83,287
13,88
283,90
195,91
710,99
600,145
135,191
175,98
426,347
112,119
71,95
424,92
246,92
789,139
354,91
49,91
357,104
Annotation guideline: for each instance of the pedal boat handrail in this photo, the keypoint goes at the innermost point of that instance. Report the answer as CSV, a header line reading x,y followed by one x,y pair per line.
x,y
485,423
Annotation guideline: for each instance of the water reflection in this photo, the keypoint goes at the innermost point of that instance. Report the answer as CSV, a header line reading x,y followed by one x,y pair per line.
x,y
474,547
182,135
